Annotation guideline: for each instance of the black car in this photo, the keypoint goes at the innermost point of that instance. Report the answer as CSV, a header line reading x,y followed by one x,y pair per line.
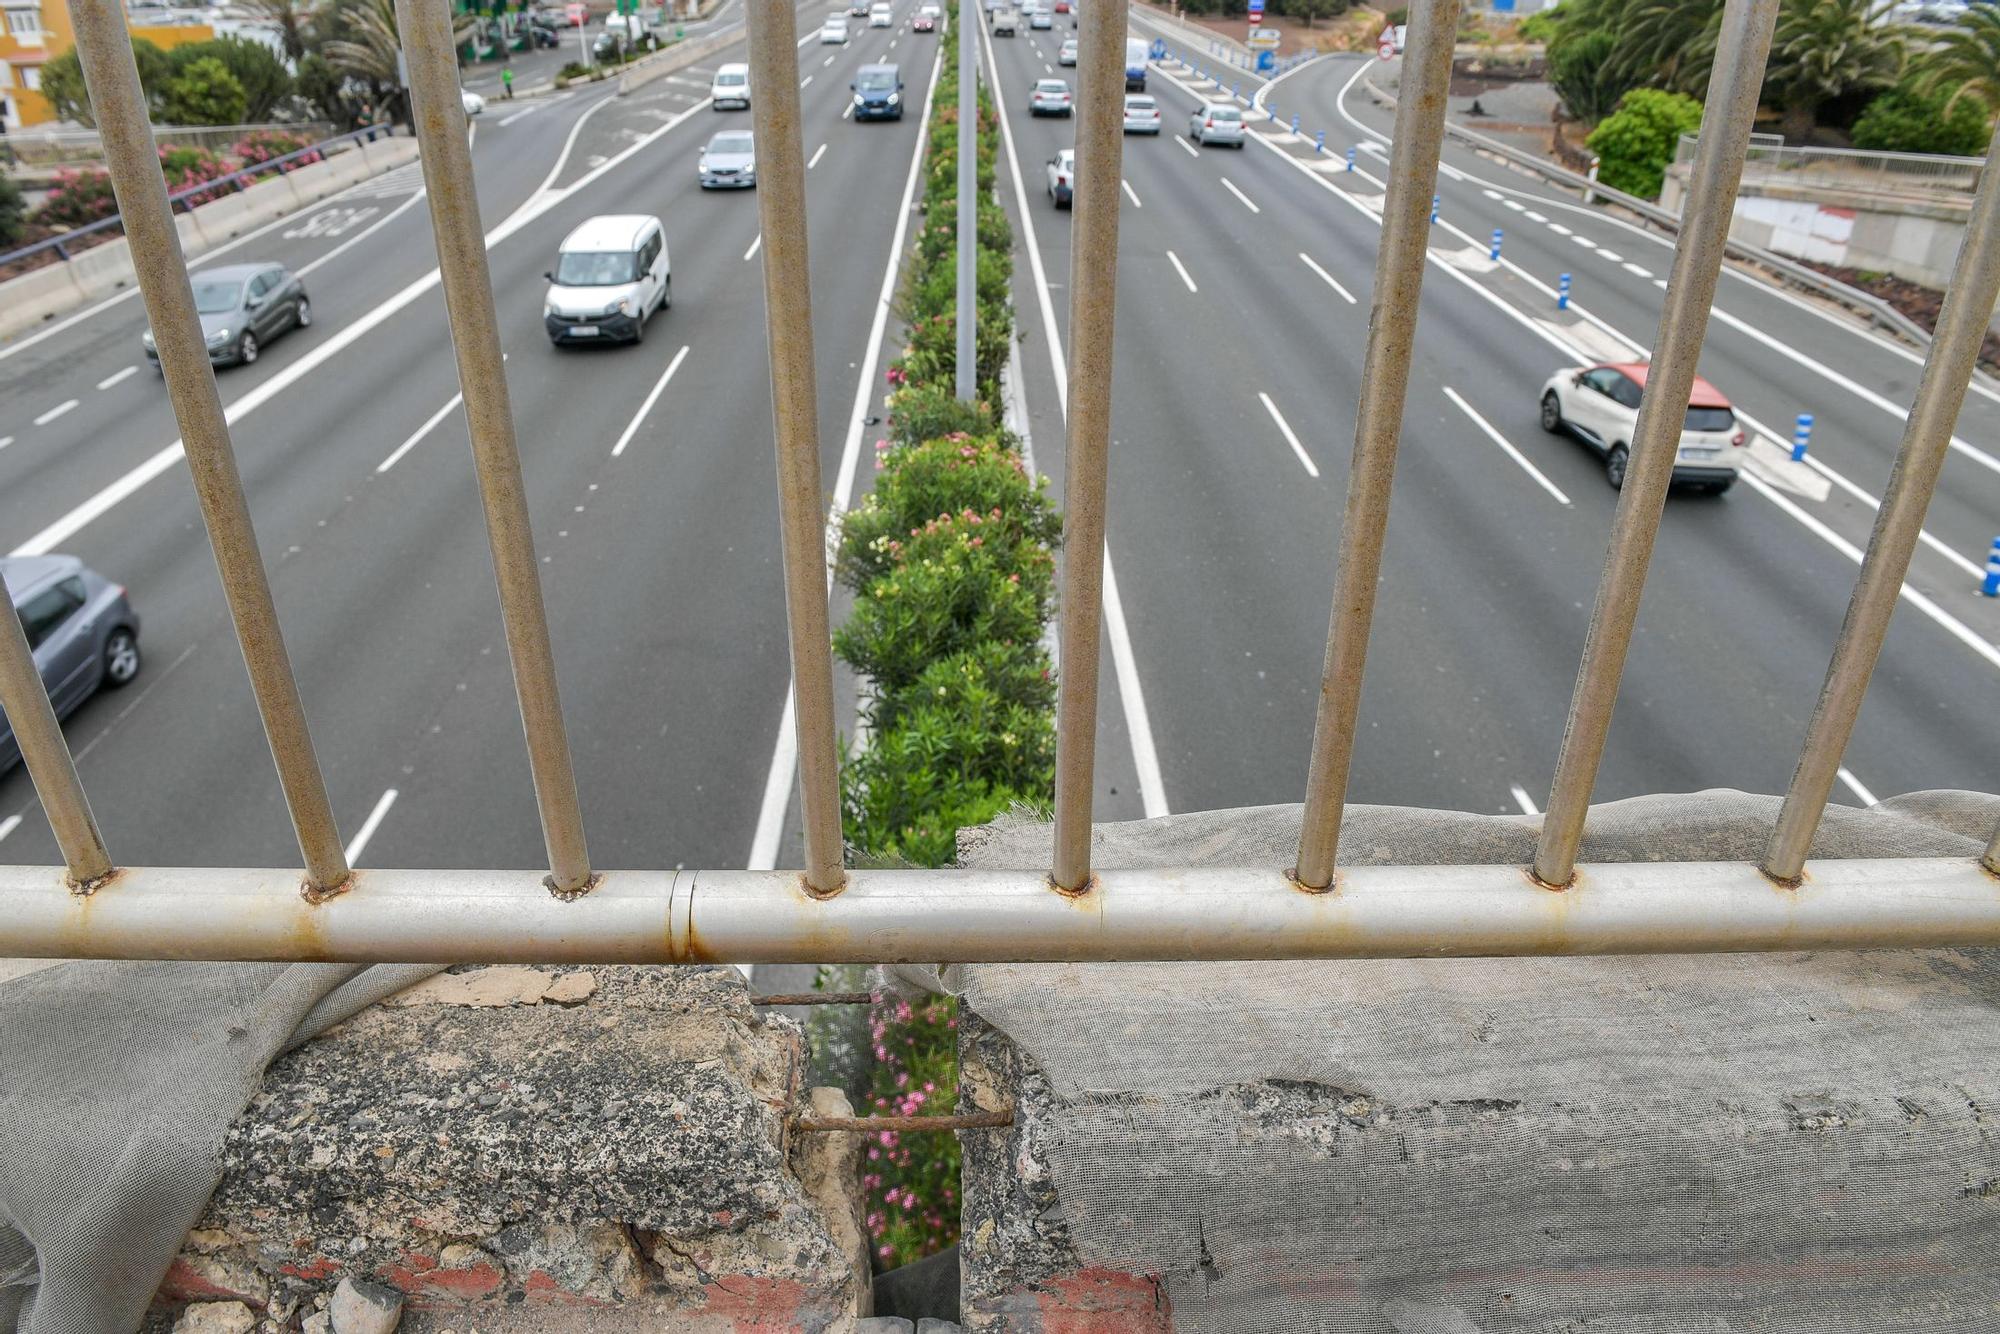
x,y
243,307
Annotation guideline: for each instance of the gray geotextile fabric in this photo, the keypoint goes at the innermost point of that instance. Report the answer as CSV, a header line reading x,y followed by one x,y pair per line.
x,y
118,1082
1787,1142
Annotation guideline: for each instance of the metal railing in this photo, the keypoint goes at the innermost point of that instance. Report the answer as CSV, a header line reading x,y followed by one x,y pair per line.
x,y
50,150
1851,170
825,912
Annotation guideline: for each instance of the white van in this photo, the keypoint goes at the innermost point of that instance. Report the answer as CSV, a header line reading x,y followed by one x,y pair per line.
x,y
834,31
731,87
610,274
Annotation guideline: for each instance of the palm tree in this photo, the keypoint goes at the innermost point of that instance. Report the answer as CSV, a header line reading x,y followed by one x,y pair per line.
x,y
1966,60
1663,42
293,19
369,50
1825,48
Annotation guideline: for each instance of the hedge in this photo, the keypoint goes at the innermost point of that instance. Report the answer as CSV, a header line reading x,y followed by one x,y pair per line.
x,y
950,562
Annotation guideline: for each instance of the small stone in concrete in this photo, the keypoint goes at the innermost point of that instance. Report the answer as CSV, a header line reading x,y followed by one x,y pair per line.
x,y
319,1322
216,1318
571,989
930,1324
884,1324
361,1307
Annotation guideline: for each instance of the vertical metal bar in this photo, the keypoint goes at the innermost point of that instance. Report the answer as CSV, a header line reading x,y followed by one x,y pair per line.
x,y
112,78
1954,350
1992,858
25,702
438,113
1378,425
1100,135
968,204
781,209
1733,84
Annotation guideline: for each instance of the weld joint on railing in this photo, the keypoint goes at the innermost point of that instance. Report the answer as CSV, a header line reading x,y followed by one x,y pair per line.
x,y
83,889
1534,878
1991,865
1332,886
1787,883
554,887
818,895
1088,887
318,894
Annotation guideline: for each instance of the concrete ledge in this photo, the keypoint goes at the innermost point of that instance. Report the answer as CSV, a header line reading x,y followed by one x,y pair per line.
x,y
545,1149
45,293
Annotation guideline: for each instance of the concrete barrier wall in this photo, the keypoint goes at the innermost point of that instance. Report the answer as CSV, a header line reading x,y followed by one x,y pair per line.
x,y
642,72
95,273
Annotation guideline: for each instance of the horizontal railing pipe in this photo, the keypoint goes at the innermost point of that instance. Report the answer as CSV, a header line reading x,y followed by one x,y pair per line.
x,y
1213,913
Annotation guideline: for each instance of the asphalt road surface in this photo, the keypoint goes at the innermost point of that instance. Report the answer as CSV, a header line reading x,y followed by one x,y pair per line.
x,y
1244,289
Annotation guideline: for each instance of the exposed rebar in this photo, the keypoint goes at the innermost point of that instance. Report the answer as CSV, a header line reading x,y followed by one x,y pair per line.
x,y
905,1124
439,115
1733,86
781,210
1948,366
111,76
1378,426
1094,197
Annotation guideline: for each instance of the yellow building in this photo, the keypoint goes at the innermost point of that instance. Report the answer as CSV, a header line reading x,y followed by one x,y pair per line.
x,y
35,31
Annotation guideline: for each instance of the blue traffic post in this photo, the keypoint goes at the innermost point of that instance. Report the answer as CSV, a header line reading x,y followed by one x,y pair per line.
x,y
1350,158
1272,112
1236,91
1991,588
1494,253
1801,433
1435,201
1295,125
1319,142
1562,292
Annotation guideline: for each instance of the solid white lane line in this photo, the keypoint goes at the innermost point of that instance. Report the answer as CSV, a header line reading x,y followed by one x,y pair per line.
x,y
1523,800
1331,281
430,424
522,114
660,387
1505,444
1854,785
55,412
818,153
359,843
1285,428
1230,186
8,826
109,497
1125,664
1181,269
755,246
780,779
1129,193
1192,150
116,376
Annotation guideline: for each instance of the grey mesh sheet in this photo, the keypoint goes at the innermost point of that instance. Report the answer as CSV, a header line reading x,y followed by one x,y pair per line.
x,y
1798,1142
117,1084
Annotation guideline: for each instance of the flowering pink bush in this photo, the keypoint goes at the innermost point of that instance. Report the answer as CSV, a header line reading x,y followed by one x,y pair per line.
x,y
78,199
260,146
912,1182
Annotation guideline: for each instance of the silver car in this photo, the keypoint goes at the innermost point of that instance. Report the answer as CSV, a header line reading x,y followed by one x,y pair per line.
x,y
1050,98
1142,114
83,631
1216,123
243,307
729,162
1066,53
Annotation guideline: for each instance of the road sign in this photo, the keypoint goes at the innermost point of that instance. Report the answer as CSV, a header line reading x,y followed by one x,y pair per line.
x,y
1158,50
1263,38
1256,6
1386,49
1255,19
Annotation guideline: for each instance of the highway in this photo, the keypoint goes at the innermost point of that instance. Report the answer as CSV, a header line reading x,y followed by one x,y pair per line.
x,y
1244,290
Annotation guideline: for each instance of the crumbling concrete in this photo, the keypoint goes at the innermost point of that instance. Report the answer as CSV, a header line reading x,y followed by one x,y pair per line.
x,y
543,1149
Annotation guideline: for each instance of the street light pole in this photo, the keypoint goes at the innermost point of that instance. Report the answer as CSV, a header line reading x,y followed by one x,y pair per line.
x,y
968,205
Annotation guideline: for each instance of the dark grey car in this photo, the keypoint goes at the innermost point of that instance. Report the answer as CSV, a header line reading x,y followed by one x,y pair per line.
x,y
243,307
82,629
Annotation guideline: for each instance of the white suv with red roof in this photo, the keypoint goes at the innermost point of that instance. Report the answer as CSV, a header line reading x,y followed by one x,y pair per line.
x,y
1600,406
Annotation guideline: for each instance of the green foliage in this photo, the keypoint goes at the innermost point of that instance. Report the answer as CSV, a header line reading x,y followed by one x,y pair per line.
x,y
1540,26
13,212
1582,73
1636,143
1822,49
255,67
1963,62
950,562
324,90
204,92
1903,120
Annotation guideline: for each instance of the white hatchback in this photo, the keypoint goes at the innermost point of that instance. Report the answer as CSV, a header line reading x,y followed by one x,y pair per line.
x,y
731,87
880,16
833,32
1142,114
1216,123
1600,406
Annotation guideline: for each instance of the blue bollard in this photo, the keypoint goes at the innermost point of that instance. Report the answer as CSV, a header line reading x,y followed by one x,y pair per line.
x,y
1435,201
1235,93
1494,253
1295,125
1350,159
1562,292
1991,588
1801,433
1272,113
1319,142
